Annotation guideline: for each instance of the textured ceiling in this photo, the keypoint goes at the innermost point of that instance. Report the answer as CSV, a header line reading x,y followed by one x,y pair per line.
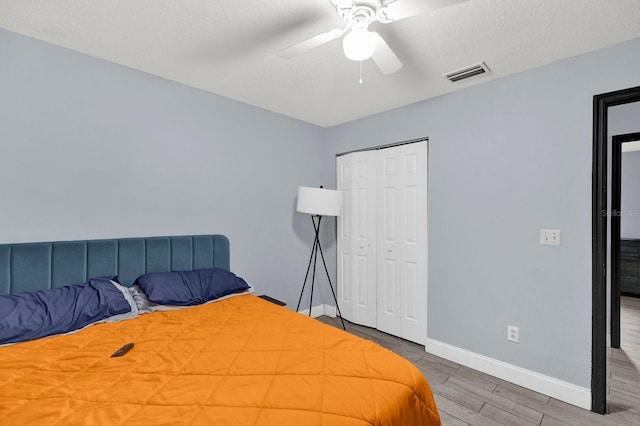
x,y
228,47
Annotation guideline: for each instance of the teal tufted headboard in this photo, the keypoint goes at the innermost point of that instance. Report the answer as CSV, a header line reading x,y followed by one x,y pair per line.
x,y
40,266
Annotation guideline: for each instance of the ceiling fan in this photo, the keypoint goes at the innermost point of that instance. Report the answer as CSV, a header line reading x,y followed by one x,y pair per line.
x,y
359,43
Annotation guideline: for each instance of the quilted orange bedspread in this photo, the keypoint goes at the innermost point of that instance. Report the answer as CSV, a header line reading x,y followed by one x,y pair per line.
x,y
239,361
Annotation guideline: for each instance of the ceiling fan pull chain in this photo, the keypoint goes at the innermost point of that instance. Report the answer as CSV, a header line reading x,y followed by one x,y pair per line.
x,y
360,72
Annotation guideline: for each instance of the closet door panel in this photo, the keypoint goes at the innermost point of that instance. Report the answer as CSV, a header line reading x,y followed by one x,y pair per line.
x,y
344,224
402,242
364,216
356,238
413,241
389,284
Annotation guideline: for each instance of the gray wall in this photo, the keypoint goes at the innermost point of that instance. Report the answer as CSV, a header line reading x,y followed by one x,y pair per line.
x,y
508,158
630,219
626,119
90,149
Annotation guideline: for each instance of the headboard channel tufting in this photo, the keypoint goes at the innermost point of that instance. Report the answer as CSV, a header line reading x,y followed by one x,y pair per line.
x,y
40,266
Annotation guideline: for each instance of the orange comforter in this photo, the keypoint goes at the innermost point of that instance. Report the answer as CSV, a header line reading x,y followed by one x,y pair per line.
x,y
240,361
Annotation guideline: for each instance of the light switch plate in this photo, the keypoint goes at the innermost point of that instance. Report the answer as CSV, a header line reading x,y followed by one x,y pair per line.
x,y
550,237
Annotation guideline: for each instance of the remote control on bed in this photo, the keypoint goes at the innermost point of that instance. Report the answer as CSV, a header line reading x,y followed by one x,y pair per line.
x,y
123,350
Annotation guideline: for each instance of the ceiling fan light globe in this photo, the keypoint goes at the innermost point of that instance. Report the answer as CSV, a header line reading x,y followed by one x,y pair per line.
x,y
359,44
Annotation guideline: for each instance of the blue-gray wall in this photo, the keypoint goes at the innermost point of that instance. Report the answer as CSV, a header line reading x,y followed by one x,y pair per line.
x,y
630,219
508,158
90,149
625,119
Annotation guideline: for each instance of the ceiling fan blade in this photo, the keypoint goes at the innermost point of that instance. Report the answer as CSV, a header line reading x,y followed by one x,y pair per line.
x,y
310,43
400,9
384,57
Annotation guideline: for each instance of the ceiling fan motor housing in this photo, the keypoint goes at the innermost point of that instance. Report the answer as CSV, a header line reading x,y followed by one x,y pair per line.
x,y
361,13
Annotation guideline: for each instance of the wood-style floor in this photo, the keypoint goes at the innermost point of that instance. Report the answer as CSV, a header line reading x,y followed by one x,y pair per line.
x,y
469,397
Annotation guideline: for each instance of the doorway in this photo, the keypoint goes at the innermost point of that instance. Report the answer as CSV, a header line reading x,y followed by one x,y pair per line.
x,y
619,275
601,104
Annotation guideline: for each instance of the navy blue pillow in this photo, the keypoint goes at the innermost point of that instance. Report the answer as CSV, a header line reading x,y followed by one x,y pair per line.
x,y
187,288
28,316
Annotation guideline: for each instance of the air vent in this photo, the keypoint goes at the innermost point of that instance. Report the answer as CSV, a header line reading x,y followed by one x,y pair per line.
x,y
466,72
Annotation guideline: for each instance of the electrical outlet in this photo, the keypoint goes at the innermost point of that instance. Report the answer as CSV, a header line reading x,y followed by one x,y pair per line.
x,y
550,237
513,334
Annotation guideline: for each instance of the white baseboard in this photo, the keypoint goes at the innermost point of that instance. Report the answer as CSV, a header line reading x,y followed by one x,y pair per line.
x,y
558,389
319,310
330,311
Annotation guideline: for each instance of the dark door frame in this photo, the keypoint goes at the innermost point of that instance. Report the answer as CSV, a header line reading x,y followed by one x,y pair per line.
x,y
616,211
601,103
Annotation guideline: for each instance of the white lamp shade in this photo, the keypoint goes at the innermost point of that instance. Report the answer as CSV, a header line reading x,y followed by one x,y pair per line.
x,y
319,201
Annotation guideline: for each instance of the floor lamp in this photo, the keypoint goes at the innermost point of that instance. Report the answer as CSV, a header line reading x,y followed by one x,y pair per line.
x,y
318,202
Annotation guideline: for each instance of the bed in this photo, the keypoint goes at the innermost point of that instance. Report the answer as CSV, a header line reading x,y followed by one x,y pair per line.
x,y
239,360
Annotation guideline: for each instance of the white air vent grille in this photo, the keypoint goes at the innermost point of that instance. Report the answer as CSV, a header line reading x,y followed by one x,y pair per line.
x,y
466,72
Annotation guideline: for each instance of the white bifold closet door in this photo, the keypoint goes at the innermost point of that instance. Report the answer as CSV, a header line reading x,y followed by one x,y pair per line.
x,y
382,239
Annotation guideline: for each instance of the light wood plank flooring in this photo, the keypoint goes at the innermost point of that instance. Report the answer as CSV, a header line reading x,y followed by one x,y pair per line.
x,y
469,397
623,367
